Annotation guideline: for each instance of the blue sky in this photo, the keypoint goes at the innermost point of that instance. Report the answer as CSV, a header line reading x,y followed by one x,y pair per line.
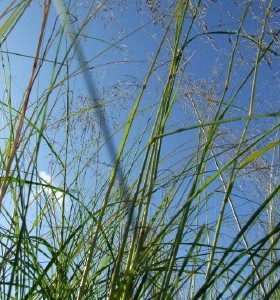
x,y
126,64
118,74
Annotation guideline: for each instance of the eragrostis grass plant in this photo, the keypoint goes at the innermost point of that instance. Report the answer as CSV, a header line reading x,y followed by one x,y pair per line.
x,y
139,176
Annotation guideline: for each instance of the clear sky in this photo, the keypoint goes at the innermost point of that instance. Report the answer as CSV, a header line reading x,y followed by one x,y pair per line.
x,y
120,44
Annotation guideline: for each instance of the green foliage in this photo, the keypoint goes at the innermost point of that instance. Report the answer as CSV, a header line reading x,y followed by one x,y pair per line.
x,y
162,183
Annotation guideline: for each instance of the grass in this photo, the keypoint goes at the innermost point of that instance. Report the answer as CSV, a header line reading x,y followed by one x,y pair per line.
x,y
164,186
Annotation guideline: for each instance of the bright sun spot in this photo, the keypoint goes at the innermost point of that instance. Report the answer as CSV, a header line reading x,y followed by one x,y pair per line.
x,y
46,177
55,195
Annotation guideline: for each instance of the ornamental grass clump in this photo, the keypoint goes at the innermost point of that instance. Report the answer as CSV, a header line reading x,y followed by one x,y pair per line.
x,y
139,150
